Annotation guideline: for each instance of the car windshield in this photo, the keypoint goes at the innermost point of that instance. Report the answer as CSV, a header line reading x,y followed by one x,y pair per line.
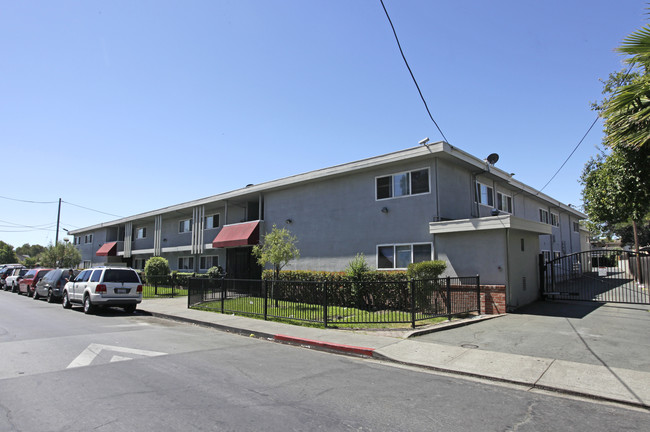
x,y
118,275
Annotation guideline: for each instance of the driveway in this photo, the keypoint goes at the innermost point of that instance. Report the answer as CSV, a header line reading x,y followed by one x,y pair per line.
x,y
611,335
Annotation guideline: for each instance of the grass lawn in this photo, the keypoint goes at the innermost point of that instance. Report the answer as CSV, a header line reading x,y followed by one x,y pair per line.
x,y
311,315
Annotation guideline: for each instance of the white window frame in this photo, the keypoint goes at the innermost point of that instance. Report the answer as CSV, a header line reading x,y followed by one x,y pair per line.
x,y
214,261
144,232
489,193
88,239
410,185
395,246
547,255
142,261
213,215
576,226
182,221
190,260
501,198
544,216
555,219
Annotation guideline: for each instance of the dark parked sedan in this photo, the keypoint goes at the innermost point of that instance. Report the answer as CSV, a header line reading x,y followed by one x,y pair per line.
x,y
51,286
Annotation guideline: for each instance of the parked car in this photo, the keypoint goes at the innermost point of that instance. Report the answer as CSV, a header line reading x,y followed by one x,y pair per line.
x,y
28,282
6,271
14,277
104,286
52,284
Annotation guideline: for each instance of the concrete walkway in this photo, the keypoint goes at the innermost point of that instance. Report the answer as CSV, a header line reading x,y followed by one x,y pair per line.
x,y
601,382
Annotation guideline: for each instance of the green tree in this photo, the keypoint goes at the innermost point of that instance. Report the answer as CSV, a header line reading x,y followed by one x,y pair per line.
x,y
277,248
627,111
60,255
7,253
616,190
29,250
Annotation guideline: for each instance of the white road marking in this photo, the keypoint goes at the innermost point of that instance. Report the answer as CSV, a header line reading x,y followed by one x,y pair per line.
x,y
93,350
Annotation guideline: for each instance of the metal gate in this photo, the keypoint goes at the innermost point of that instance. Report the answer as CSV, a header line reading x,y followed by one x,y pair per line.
x,y
602,275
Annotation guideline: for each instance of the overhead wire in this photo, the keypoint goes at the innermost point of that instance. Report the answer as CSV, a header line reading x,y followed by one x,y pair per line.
x,y
411,72
627,73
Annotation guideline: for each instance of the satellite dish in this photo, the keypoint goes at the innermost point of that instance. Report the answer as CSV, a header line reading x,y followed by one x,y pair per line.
x,y
492,159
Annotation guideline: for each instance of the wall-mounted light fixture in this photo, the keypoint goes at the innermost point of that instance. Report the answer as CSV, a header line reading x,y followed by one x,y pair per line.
x,y
288,221
384,209
164,239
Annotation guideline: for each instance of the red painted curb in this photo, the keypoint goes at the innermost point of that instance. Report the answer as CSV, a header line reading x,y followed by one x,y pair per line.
x,y
349,349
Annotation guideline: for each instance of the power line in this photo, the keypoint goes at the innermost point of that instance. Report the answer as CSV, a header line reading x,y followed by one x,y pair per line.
x,y
411,72
569,157
98,211
29,201
585,136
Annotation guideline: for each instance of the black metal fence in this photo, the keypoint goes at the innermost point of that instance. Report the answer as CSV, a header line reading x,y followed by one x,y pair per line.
x,y
339,303
602,275
164,286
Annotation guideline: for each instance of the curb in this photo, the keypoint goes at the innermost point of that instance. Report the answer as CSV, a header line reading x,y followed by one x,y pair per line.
x,y
325,346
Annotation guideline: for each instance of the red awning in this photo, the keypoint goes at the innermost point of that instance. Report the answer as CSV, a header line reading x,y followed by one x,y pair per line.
x,y
107,249
242,234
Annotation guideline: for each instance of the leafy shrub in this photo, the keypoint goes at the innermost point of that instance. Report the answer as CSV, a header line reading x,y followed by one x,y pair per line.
x,y
156,267
215,272
426,269
357,267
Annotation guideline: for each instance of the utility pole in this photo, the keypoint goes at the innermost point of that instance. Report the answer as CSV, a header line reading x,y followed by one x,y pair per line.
x,y
58,218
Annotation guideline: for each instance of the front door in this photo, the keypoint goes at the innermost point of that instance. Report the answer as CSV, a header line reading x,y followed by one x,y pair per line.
x,y
241,264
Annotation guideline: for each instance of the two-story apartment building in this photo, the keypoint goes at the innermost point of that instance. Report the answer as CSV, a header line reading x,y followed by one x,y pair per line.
x,y
427,202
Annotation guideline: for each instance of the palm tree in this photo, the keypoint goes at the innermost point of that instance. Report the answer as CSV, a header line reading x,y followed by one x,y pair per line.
x,y
627,113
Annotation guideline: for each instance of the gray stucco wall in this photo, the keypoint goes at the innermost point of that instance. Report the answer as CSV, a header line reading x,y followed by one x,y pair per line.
x,y
340,217
523,280
472,253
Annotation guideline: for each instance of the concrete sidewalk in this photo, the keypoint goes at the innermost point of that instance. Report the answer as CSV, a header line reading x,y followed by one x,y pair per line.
x,y
588,380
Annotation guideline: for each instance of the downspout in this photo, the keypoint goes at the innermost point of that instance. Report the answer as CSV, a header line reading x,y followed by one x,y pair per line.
x,y
508,288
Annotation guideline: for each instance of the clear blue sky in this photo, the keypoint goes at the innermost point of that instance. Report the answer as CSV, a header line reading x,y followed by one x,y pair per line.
x,y
129,106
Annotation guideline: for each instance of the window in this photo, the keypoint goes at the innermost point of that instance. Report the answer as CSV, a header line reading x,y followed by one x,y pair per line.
x,y
543,216
504,202
141,233
186,263
555,219
403,184
207,262
212,221
484,195
547,255
95,276
556,255
400,256
576,226
86,264
185,226
139,263
88,238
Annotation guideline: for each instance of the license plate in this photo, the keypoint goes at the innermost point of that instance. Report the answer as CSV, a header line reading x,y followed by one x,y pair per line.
x,y
122,290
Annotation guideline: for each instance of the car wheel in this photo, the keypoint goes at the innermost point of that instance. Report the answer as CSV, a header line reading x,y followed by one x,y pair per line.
x,y
66,301
36,296
50,297
129,309
88,306
13,288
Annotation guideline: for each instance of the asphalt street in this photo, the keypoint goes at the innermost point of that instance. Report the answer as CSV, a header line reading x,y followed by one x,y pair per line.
x,y
63,370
